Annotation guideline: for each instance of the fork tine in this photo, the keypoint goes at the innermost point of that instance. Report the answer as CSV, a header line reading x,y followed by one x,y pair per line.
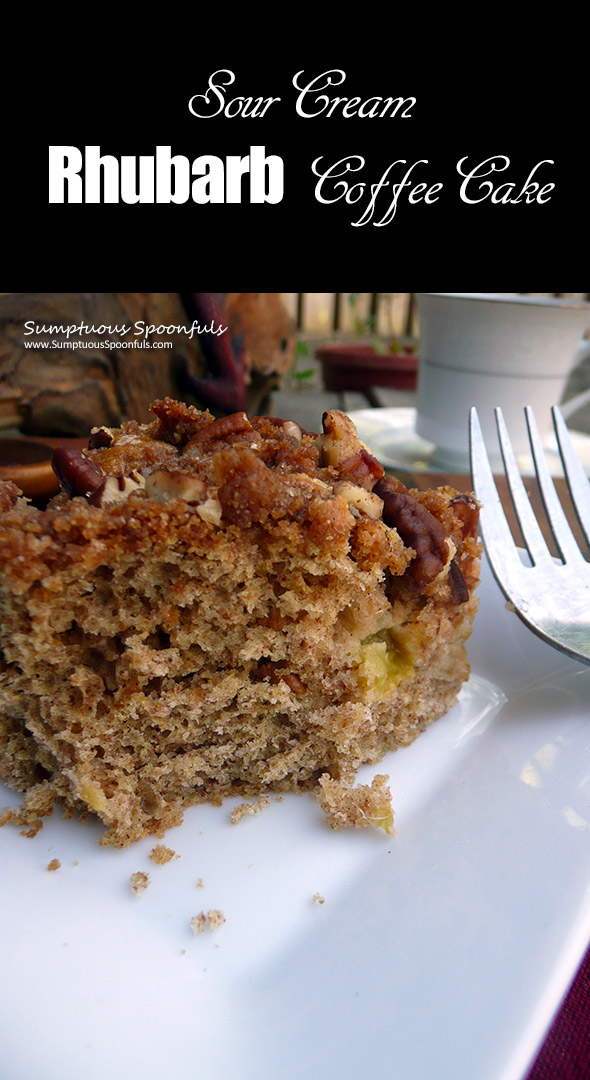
x,y
529,526
562,534
500,546
577,481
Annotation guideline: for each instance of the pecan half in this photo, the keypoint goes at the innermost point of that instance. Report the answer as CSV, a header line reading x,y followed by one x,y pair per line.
x,y
77,474
418,528
219,429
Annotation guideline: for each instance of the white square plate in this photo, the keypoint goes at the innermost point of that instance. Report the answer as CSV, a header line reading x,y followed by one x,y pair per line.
x,y
442,951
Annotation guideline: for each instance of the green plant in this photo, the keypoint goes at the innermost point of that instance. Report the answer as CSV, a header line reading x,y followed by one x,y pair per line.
x,y
367,327
301,374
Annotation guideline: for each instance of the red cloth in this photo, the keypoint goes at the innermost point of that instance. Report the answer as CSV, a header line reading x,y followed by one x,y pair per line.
x,y
565,1054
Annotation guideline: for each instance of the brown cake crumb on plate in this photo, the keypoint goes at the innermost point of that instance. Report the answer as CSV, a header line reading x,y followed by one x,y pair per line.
x,y
162,854
139,882
252,809
347,805
210,921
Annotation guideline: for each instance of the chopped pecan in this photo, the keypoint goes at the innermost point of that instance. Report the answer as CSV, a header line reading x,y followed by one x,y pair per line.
x,y
292,430
457,583
287,425
358,498
210,511
340,439
77,474
341,448
116,489
277,671
164,485
100,437
293,682
418,528
466,509
362,468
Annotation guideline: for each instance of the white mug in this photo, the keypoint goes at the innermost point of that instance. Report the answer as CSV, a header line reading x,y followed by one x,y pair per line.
x,y
488,349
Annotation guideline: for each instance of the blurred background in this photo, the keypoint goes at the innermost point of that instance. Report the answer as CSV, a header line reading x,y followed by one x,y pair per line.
x,y
383,330
292,355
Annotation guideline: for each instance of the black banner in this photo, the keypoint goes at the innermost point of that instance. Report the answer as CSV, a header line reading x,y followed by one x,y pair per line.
x,y
276,165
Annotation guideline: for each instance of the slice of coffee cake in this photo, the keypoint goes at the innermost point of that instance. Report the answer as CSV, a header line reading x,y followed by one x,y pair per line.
x,y
223,607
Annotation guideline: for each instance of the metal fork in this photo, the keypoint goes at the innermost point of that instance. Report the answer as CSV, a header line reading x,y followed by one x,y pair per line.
x,y
551,597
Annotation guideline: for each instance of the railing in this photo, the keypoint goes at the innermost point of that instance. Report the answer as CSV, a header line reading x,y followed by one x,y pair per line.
x,y
382,313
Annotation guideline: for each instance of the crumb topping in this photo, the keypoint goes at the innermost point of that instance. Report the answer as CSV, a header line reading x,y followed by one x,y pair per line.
x,y
249,472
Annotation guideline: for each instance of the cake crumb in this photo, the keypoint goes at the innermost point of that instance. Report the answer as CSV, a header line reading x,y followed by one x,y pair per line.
x,y
249,808
34,829
36,804
162,854
345,805
200,883
139,882
212,920
5,816
54,864
317,898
